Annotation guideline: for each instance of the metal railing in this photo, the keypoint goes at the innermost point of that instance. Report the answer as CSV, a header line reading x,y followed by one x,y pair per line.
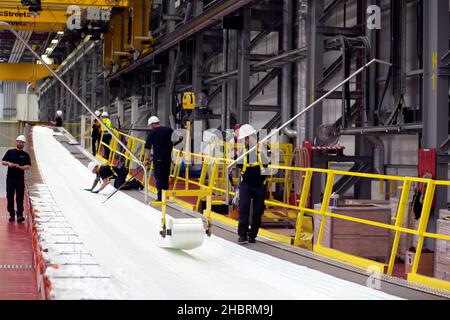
x,y
77,98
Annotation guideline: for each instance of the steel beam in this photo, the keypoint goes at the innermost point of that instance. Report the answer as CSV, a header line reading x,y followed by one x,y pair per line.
x,y
21,14
66,3
23,72
315,75
244,66
208,18
435,94
33,26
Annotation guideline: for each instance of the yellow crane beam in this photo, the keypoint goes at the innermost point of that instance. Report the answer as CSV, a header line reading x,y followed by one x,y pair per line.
x,y
66,3
23,15
32,26
24,72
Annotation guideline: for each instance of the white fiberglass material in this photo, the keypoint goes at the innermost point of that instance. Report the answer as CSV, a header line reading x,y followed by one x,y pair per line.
x,y
123,235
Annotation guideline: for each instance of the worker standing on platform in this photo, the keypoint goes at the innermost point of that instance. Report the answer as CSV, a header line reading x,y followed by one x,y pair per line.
x,y
107,172
252,187
58,122
106,135
96,133
17,161
160,139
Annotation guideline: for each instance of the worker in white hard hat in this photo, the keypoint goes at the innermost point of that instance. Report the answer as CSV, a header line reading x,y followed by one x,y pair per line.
x,y
58,121
161,140
106,135
252,186
17,161
96,133
106,172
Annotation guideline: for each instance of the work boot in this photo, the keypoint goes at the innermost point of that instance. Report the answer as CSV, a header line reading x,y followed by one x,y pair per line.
x,y
242,239
251,240
20,219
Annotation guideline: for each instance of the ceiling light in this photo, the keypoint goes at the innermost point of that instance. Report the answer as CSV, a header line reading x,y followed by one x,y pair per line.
x,y
55,41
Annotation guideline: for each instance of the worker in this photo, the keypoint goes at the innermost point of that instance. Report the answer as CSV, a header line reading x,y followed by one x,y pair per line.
x,y
252,186
107,172
106,135
160,139
96,132
58,122
17,161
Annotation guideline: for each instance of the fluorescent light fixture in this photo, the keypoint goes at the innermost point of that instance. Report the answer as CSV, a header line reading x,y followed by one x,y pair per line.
x,y
46,59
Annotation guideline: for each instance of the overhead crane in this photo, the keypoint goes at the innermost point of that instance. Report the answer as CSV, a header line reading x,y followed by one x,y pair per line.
x,y
66,3
40,27
24,72
119,51
21,14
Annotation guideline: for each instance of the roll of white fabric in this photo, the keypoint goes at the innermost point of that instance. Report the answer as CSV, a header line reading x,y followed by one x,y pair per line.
x,y
186,234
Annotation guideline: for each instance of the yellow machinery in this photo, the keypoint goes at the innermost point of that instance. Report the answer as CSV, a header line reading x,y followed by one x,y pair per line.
x,y
188,101
124,41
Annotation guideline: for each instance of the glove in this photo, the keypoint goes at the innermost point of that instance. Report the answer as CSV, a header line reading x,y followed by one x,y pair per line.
x,y
88,190
95,191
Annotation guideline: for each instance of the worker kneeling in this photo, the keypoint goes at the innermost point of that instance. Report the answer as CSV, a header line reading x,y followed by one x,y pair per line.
x,y
252,187
107,172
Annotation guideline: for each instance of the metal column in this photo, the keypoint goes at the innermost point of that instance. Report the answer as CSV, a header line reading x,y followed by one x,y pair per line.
x,y
244,66
315,75
435,94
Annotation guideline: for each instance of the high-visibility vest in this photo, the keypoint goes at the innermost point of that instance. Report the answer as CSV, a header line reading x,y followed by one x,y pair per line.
x,y
107,123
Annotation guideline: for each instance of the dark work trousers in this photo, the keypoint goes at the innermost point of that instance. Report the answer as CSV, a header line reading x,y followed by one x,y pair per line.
x,y
162,173
95,143
106,140
17,187
246,194
121,177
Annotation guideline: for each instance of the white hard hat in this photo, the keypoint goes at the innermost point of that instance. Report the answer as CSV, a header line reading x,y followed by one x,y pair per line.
x,y
92,165
21,138
245,131
153,120
105,114
59,113
98,113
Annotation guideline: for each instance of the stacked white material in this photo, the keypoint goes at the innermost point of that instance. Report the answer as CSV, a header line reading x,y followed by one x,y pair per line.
x,y
442,260
408,222
69,266
123,236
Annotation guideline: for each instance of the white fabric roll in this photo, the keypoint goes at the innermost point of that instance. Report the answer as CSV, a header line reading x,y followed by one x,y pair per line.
x,y
186,234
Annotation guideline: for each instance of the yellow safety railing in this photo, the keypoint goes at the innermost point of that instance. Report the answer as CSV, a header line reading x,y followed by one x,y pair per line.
x,y
398,227
210,180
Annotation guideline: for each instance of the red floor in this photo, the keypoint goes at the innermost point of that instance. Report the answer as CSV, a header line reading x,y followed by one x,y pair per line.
x,y
17,276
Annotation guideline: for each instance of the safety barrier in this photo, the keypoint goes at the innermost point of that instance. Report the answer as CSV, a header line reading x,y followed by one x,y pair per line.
x,y
212,178
398,227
